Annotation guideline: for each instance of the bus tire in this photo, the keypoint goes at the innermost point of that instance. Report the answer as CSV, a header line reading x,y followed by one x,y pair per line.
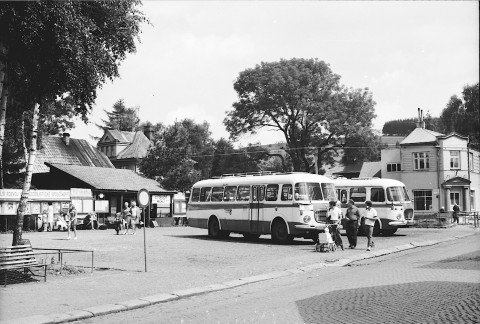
x,y
389,232
376,229
280,232
250,236
214,227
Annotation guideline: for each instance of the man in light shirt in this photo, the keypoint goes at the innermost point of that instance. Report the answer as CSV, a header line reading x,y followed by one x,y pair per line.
x,y
334,217
370,219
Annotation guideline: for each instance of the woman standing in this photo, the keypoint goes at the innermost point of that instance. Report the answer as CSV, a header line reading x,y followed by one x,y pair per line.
x,y
72,221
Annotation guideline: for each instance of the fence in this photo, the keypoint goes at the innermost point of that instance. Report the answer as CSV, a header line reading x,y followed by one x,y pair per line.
x,y
445,219
47,256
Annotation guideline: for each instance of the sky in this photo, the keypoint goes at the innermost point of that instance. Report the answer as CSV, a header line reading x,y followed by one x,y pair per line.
x,y
410,54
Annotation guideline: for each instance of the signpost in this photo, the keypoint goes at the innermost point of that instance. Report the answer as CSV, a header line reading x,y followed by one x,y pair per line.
x,y
143,198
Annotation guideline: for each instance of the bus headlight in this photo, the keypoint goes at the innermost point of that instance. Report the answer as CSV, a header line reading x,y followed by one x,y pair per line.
x,y
306,218
399,216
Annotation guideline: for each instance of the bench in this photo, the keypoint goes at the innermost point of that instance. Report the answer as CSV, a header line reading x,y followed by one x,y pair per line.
x,y
19,257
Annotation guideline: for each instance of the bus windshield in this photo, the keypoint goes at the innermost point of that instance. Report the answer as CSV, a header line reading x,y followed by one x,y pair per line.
x,y
329,191
397,194
308,191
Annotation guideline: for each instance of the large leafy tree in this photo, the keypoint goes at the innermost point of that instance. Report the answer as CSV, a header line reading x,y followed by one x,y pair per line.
x,y
462,115
403,127
303,99
180,155
53,48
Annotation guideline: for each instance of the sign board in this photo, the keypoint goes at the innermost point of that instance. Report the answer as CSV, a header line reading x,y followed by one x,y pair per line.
x,y
101,206
46,195
143,197
80,193
161,200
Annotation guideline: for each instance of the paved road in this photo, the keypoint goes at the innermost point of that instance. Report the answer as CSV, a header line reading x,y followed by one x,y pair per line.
x,y
435,284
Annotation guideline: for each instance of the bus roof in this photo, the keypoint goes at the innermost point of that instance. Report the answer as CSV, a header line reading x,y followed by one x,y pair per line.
x,y
264,179
367,182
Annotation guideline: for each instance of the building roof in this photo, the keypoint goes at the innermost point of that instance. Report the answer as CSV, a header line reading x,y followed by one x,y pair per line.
x,y
137,149
78,152
391,140
420,136
110,179
371,169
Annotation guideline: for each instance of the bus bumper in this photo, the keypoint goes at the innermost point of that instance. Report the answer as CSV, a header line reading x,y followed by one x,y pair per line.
x,y
308,227
405,223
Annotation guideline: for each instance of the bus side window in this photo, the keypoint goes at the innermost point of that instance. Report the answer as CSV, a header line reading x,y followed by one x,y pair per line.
x,y
195,194
343,196
261,193
287,192
272,193
217,193
229,193
243,193
358,194
377,195
205,193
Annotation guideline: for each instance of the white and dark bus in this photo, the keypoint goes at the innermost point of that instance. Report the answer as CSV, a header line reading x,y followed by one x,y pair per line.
x,y
283,205
389,198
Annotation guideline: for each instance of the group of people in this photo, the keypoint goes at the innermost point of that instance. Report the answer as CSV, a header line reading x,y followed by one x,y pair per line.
x,y
130,217
353,218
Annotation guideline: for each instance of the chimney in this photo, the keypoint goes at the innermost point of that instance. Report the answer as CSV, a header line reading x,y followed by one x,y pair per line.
x,y
66,139
420,122
147,130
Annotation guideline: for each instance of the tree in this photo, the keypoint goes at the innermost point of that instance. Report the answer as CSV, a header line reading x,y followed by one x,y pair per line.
x,y
303,99
462,115
122,118
181,155
403,127
57,48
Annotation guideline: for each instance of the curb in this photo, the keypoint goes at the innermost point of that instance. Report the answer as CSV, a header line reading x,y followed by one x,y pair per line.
x,y
141,302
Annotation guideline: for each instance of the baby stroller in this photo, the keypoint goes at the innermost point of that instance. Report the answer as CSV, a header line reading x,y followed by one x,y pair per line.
x,y
325,242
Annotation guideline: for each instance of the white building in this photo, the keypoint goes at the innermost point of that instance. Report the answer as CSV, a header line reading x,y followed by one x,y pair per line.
x,y
438,170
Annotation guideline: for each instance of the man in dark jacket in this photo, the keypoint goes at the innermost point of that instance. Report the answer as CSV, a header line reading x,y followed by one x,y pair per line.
x,y
353,216
456,209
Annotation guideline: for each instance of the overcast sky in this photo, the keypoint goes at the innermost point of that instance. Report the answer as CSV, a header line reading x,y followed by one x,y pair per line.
x,y
409,54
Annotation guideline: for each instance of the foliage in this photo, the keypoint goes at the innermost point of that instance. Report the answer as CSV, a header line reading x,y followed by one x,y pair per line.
x,y
181,154
122,118
403,127
462,115
303,99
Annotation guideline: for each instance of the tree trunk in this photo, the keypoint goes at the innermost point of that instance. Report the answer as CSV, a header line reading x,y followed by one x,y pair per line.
x,y
17,232
3,104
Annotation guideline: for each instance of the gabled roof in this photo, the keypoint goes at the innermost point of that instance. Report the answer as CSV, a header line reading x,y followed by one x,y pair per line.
x,y
110,179
137,149
421,136
371,169
114,135
456,181
78,152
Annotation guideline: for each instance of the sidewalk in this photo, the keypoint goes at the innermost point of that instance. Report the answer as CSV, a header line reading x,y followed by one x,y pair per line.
x,y
181,262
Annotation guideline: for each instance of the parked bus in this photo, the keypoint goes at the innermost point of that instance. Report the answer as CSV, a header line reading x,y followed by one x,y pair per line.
x,y
389,198
283,205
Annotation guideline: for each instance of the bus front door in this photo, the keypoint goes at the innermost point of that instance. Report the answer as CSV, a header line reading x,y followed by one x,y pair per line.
x,y
256,208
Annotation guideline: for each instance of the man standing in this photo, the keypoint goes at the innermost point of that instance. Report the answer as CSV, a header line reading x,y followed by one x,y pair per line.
x,y
353,215
456,209
370,219
135,211
334,217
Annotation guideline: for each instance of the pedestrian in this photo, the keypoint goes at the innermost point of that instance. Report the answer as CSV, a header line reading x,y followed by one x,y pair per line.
x,y
353,216
370,219
333,218
50,217
127,217
456,209
135,211
72,221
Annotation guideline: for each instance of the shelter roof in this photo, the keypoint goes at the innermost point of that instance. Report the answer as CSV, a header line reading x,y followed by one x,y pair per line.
x,y
78,152
110,179
371,169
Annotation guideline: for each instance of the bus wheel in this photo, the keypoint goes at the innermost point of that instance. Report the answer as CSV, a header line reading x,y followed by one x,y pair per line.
x,y
389,232
280,233
214,228
250,236
376,229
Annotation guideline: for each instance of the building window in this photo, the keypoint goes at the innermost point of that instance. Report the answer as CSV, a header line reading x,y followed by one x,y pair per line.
x,y
454,159
421,161
472,199
470,161
394,167
422,199
454,198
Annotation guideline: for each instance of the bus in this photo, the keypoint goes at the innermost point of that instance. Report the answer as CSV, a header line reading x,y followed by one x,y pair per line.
x,y
389,198
285,205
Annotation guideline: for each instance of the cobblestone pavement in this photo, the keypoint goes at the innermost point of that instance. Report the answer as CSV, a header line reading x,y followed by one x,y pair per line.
x,y
411,286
